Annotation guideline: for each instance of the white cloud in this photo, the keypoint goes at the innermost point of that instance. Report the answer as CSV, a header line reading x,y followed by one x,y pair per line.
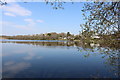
x,y
16,9
31,22
22,27
29,25
40,21
13,25
6,23
28,20
9,14
11,0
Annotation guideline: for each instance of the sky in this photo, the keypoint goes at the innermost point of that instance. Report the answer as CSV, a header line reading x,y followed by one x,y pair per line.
x,y
20,18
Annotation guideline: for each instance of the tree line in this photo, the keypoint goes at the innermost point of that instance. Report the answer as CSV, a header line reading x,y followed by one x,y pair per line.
x,y
46,36
66,36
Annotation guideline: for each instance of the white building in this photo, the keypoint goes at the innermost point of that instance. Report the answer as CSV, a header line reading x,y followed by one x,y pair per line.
x,y
95,36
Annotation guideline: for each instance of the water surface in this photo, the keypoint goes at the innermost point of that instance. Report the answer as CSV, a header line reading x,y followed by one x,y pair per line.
x,y
57,59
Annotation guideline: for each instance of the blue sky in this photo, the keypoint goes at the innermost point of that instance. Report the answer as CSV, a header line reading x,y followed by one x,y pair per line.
x,y
37,17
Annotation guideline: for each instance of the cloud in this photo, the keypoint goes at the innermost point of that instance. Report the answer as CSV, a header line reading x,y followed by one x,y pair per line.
x,y
9,14
33,21
22,27
11,0
15,68
6,23
32,56
29,57
16,9
29,25
13,25
30,22
40,21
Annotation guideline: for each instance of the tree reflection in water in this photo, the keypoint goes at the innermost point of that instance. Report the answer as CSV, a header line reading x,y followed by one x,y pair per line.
x,y
108,51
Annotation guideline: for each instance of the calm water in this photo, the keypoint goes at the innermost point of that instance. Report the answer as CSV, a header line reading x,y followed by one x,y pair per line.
x,y
53,59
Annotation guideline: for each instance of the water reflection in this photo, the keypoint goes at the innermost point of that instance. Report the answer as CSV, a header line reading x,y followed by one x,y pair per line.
x,y
51,44
59,60
13,68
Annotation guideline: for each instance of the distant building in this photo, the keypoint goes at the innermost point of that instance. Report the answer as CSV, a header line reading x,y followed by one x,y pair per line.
x,y
95,36
94,45
64,38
